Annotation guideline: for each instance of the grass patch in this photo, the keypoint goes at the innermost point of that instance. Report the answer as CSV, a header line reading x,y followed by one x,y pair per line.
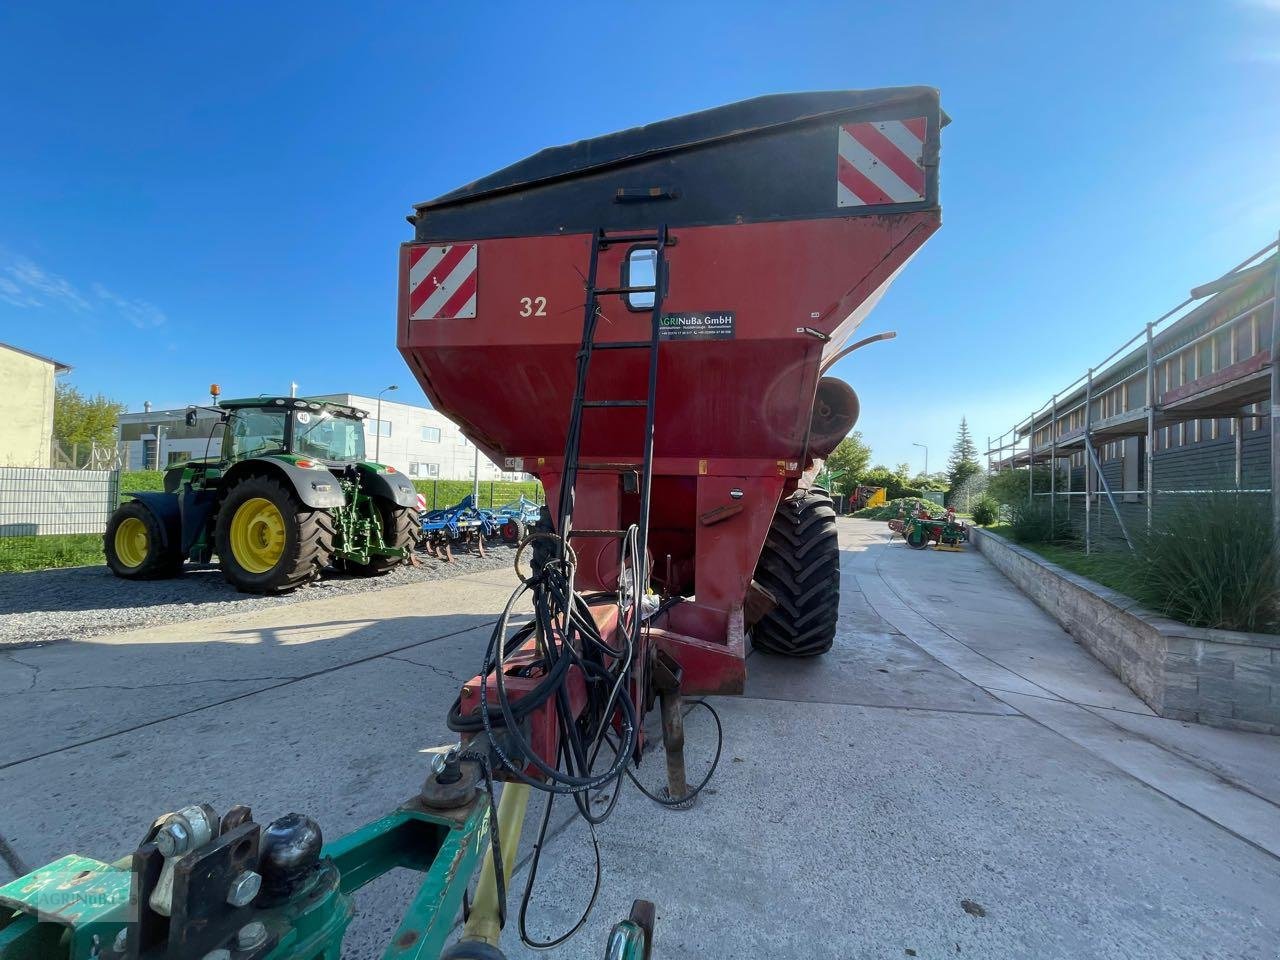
x,y
18,554
1099,567
1207,563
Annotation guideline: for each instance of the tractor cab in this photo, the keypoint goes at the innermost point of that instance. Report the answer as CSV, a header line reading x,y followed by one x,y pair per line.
x,y
307,429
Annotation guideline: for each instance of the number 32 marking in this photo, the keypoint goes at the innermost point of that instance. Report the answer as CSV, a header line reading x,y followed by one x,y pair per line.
x,y
533,306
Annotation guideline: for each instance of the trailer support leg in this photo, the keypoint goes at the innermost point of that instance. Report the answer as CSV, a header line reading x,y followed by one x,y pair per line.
x,y
666,679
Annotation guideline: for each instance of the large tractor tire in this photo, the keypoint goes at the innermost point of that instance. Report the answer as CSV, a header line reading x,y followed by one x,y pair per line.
x,y
401,527
800,567
135,547
269,541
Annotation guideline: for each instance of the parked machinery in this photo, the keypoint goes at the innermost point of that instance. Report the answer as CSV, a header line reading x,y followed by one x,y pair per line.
x,y
463,524
658,302
290,494
865,497
661,303
919,528
516,518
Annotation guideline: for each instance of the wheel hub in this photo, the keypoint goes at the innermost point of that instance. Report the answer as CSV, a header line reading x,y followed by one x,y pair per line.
x,y
257,535
131,542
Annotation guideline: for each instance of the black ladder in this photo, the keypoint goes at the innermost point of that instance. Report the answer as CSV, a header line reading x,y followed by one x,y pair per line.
x,y
602,240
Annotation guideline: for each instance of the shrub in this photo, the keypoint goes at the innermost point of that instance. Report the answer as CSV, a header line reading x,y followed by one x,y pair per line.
x,y
986,511
1209,562
1010,486
1035,521
889,510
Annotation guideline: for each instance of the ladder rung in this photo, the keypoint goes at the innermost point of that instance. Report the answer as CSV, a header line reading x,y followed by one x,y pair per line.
x,y
631,238
615,403
623,345
597,533
612,291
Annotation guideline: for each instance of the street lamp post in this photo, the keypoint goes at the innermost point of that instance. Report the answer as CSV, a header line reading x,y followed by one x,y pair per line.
x,y
377,437
926,455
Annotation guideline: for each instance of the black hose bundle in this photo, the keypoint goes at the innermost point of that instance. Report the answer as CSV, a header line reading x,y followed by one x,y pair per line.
x,y
566,636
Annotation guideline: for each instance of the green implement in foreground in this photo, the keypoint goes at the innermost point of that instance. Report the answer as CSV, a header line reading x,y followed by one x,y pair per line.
x,y
209,887
289,494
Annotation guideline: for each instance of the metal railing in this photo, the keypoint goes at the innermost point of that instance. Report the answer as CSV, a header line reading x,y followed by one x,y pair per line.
x,y
54,518
1036,447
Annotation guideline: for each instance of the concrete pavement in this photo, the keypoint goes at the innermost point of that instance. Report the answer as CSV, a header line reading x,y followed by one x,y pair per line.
x,y
955,777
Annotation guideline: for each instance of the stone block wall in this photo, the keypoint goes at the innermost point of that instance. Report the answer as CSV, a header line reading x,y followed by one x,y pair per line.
x,y
1219,677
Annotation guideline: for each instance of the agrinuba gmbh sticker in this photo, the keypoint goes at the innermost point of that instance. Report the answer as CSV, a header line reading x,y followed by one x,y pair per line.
x,y
717,325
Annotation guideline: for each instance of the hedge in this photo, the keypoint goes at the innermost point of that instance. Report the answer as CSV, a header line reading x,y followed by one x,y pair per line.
x,y
439,493
493,493
141,481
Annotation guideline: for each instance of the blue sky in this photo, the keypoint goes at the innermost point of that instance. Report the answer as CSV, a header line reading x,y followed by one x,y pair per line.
x,y
215,191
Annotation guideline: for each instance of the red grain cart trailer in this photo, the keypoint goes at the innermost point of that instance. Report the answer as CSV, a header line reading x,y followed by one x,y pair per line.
x,y
746,244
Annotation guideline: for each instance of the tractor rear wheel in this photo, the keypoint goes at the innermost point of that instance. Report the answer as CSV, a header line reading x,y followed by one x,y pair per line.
x,y
917,537
800,567
512,532
401,527
135,545
269,541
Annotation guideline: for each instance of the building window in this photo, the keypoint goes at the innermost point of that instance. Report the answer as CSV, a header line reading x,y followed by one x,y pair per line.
x,y
381,428
463,441
424,469
430,434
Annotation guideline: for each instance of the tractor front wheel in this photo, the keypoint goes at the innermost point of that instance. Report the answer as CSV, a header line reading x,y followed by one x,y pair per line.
x,y
269,541
800,567
135,545
401,527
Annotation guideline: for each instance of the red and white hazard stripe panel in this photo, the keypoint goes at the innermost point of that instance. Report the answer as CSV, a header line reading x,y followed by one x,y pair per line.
x,y
442,282
880,162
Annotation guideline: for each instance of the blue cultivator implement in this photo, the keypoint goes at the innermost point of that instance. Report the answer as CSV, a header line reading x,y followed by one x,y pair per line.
x,y
462,524
517,517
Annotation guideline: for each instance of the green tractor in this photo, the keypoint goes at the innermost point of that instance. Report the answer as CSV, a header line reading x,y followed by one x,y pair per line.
x,y
290,495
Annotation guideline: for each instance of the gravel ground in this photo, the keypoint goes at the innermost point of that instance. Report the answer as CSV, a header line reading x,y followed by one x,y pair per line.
x,y
81,601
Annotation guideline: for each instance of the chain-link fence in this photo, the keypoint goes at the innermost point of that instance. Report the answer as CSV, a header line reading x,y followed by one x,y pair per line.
x,y
54,518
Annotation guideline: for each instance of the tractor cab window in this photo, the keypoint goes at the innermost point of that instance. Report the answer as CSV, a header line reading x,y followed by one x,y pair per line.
x,y
252,433
327,436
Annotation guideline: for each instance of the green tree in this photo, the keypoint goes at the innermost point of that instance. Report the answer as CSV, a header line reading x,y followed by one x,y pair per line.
x,y
850,459
930,481
963,462
893,480
78,418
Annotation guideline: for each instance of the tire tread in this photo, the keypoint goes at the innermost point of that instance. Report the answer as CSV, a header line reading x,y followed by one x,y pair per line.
x,y
800,566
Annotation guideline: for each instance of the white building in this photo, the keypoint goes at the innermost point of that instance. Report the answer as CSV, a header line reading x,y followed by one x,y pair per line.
x,y
418,441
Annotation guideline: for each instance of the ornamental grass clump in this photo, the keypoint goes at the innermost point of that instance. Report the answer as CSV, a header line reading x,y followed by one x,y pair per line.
x,y
1035,521
1209,562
